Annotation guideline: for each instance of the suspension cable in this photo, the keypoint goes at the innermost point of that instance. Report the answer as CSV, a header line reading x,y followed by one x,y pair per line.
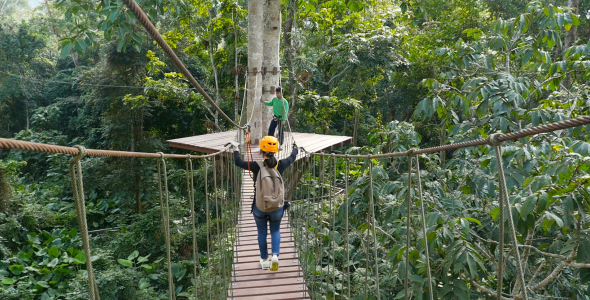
x,y
151,29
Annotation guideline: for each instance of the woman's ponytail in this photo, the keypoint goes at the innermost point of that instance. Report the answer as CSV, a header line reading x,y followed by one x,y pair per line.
x,y
270,160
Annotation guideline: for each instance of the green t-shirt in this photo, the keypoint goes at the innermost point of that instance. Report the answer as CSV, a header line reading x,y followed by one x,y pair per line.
x,y
280,107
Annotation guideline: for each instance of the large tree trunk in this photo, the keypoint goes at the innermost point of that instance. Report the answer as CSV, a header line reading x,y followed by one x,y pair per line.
x,y
291,49
270,63
255,27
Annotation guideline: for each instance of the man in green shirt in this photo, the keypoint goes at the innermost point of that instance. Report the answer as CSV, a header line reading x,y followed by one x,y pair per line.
x,y
280,108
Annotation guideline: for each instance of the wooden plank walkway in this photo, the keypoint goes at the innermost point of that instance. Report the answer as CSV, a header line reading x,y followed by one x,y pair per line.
x,y
249,281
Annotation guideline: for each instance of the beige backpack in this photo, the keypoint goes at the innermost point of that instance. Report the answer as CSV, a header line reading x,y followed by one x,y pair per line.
x,y
270,190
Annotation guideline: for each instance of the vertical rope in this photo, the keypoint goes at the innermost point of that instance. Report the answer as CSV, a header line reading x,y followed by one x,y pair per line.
x,y
422,213
223,233
347,224
501,265
367,234
493,140
307,223
217,233
374,223
190,186
316,218
406,284
237,188
207,213
80,204
332,242
165,211
320,252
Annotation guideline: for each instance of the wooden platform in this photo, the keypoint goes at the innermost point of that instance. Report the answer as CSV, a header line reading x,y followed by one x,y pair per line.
x,y
249,281
215,142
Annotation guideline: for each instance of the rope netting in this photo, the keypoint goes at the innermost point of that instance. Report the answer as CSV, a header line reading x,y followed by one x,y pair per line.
x,y
220,201
339,229
371,246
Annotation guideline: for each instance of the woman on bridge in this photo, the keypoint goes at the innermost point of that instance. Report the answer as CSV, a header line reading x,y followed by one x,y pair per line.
x,y
269,146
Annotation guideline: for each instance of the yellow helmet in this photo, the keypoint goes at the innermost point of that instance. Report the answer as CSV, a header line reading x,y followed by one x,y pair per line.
x,y
269,144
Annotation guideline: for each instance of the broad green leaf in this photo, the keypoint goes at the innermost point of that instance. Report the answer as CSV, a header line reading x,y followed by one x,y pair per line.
x,y
133,255
144,283
494,213
542,202
528,206
472,267
16,269
80,258
53,251
65,51
124,262
555,218
568,211
53,263
583,255
8,281
476,221
142,259
121,44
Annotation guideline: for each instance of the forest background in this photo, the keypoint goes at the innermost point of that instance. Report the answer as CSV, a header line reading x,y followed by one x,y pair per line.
x,y
395,75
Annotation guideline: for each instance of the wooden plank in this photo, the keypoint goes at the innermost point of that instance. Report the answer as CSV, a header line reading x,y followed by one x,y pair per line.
x,y
265,274
268,292
249,281
282,296
266,281
239,274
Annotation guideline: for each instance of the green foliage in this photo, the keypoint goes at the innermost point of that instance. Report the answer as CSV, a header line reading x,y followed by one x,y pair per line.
x,y
44,267
323,113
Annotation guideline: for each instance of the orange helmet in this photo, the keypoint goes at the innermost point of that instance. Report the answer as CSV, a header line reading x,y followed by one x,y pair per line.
x,y
269,144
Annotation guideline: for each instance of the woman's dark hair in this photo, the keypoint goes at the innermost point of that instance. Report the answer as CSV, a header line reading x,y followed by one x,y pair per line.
x,y
270,160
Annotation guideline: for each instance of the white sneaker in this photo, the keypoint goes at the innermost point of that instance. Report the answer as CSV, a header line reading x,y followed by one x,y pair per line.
x,y
264,264
274,263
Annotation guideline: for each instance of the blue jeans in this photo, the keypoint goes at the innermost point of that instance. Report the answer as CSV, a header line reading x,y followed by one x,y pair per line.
x,y
261,219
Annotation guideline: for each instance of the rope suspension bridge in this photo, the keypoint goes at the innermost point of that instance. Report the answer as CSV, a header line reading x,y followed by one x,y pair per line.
x,y
341,241
323,234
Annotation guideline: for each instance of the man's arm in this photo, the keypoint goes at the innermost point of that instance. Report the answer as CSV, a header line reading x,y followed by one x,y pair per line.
x,y
269,103
286,108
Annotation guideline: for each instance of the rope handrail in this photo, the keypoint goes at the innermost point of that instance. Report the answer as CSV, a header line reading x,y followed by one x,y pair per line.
x,y
40,147
151,29
565,124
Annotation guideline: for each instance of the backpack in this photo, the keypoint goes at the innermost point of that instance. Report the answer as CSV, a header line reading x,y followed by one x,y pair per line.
x,y
270,190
